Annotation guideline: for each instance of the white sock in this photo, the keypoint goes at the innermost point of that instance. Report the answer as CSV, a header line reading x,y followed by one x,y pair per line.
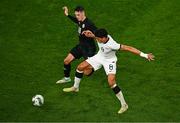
x,y
121,98
67,78
76,82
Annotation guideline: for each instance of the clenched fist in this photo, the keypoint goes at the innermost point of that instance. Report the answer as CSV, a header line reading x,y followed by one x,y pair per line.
x,y
65,10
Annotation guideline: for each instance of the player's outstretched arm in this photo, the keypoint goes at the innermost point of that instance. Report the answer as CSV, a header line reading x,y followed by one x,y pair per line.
x,y
131,49
66,13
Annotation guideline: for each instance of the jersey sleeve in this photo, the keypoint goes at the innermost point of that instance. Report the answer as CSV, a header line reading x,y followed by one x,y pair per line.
x,y
72,18
115,46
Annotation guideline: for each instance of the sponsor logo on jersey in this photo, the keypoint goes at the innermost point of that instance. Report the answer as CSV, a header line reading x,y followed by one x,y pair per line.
x,y
79,30
83,25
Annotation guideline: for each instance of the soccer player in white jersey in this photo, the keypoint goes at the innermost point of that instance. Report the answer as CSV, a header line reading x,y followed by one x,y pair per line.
x,y
105,57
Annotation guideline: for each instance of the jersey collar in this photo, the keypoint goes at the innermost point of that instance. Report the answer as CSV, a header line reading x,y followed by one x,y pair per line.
x,y
106,41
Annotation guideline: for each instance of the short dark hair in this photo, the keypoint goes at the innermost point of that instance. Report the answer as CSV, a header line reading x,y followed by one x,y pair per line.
x,y
79,9
101,33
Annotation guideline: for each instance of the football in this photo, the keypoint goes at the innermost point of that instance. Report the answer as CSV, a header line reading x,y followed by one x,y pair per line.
x,y
38,100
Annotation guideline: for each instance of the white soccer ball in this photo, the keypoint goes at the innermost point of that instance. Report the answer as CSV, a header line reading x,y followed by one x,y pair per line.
x,y
38,100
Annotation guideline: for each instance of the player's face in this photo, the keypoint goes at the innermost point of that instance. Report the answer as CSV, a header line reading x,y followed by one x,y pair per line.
x,y
101,40
79,15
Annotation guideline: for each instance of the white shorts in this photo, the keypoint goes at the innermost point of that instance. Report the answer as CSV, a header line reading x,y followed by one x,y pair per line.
x,y
109,65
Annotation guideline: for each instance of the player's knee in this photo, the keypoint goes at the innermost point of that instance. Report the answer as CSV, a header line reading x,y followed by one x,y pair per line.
x,y
111,81
80,67
88,72
66,61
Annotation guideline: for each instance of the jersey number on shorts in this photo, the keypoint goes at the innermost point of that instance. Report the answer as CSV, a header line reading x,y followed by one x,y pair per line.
x,y
110,67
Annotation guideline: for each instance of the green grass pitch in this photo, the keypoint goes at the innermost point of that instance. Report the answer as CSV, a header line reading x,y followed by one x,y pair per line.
x,y
35,36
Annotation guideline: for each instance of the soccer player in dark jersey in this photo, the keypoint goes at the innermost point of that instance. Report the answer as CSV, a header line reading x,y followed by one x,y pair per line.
x,y
86,47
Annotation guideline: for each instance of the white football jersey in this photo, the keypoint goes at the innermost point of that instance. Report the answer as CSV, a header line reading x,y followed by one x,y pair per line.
x,y
108,50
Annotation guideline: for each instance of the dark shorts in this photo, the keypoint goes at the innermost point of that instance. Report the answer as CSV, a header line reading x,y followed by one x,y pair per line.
x,y
79,51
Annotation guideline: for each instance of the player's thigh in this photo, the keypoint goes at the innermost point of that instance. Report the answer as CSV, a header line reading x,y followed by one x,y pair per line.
x,y
76,52
109,67
69,58
111,79
88,70
94,62
83,66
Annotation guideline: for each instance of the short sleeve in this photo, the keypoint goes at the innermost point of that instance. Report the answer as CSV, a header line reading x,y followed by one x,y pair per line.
x,y
115,46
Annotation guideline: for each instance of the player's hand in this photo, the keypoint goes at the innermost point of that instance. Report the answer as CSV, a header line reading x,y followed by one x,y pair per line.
x,y
65,10
150,57
88,33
